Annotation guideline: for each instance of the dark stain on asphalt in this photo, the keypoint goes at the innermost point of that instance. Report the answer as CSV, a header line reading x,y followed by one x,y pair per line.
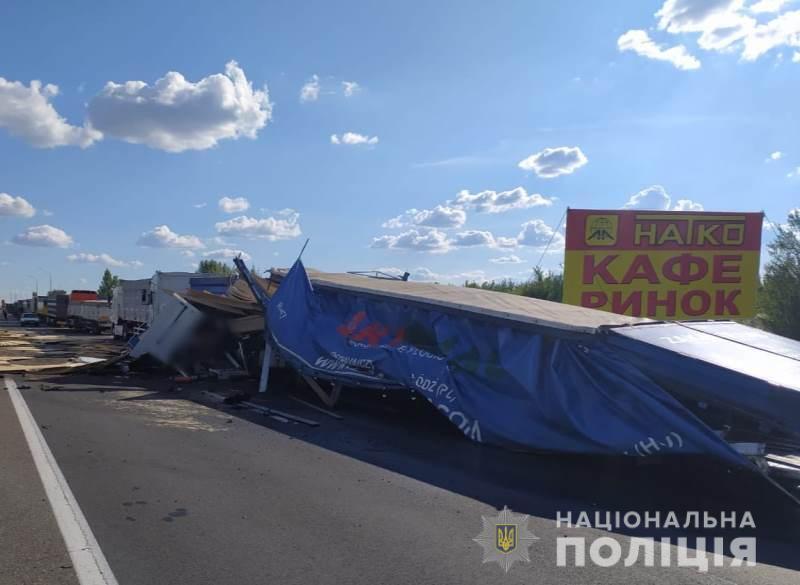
x,y
177,513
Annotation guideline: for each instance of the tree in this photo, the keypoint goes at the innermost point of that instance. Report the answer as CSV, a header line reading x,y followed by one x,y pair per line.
x,y
542,285
214,267
107,285
779,297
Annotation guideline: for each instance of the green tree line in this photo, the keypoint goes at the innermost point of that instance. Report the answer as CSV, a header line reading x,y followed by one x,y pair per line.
x,y
541,285
779,295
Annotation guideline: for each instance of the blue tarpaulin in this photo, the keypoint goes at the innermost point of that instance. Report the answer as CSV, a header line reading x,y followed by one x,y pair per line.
x,y
517,387
722,363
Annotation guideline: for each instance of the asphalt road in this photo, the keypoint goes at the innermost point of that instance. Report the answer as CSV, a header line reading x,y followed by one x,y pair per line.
x,y
179,489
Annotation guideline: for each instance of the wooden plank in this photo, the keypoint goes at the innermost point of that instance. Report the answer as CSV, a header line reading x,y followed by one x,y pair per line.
x,y
262,383
317,408
328,400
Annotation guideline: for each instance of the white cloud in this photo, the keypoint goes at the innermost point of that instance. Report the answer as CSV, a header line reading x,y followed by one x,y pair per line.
x,y
284,227
17,206
687,205
234,204
510,259
723,26
227,254
767,6
472,238
108,260
163,237
554,162
353,138
678,16
441,216
796,57
44,236
656,198
721,23
653,197
793,173
310,90
777,155
640,43
423,274
26,112
427,240
537,234
501,201
175,114
46,213
350,88
783,30
199,205
534,233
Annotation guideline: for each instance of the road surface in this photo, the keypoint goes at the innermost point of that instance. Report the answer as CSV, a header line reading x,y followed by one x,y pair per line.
x,y
178,488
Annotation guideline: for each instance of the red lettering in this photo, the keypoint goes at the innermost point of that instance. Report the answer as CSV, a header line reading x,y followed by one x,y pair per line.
x,y
641,267
590,270
372,333
669,303
689,309
594,300
685,268
725,301
349,328
399,337
633,302
721,268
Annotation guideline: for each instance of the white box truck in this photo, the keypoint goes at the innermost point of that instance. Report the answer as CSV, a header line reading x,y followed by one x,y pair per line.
x,y
137,303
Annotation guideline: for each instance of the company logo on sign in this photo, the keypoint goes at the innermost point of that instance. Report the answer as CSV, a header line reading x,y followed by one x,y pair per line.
x,y
601,230
663,265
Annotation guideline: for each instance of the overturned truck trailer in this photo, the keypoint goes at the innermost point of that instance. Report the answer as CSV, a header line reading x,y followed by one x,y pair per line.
x,y
531,374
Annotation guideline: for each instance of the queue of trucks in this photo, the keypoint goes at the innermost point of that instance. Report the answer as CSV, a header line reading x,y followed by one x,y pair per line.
x,y
131,309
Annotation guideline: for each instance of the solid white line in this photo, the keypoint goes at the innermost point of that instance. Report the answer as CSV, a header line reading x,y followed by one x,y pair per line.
x,y
88,560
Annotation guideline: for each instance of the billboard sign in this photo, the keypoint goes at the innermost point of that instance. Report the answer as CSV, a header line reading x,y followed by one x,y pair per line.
x,y
663,264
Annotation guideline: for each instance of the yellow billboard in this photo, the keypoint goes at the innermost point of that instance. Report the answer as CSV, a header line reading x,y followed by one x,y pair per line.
x,y
663,264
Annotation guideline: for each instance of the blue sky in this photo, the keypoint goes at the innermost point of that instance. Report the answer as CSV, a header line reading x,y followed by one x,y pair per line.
x,y
487,120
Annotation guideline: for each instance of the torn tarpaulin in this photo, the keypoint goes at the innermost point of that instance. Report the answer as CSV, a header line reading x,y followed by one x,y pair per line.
x,y
502,382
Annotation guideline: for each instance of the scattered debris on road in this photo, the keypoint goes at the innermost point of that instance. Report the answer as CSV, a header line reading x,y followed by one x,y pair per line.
x,y
53,351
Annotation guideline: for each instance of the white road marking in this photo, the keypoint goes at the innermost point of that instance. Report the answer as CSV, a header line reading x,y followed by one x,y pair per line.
x,y
88,560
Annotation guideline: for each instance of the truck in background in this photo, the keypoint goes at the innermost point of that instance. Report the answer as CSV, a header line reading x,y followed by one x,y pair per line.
x,y
130,307
85,311
40,308
90,315
137,303
57,304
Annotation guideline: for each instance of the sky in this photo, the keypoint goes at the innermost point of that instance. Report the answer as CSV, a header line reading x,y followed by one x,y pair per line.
x,y
445,139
